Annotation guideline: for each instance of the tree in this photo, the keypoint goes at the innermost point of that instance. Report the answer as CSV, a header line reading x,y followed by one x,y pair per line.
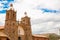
x,y
53,37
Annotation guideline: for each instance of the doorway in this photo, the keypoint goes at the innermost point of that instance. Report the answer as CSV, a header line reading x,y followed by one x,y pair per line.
x,y
7,39
19,38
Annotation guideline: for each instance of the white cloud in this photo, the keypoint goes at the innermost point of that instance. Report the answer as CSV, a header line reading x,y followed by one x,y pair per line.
x,y
52,4
2,19
1,6
46,23
4,1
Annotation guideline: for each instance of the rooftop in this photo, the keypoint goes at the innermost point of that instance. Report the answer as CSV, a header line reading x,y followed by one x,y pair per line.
x,y
1,27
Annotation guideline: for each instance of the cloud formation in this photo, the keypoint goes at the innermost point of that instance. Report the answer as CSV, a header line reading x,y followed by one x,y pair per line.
x,y
41,23
46,23
49,10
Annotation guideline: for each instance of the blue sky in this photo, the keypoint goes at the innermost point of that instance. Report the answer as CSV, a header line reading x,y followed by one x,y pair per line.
x,y
49,10
4,5
44,14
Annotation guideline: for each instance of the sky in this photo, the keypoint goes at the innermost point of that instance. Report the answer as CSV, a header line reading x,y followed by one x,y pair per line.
x,y
44,14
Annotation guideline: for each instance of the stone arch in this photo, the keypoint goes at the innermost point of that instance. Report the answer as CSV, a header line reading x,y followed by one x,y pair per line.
x,y
8,39
21,33
4,38
20,30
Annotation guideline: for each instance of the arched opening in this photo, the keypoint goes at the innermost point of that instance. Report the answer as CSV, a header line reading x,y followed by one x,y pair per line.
x,y
21,35
20,31
19,38
7,38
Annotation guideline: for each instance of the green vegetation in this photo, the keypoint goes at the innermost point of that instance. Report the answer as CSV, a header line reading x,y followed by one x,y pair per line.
x,y
53,37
